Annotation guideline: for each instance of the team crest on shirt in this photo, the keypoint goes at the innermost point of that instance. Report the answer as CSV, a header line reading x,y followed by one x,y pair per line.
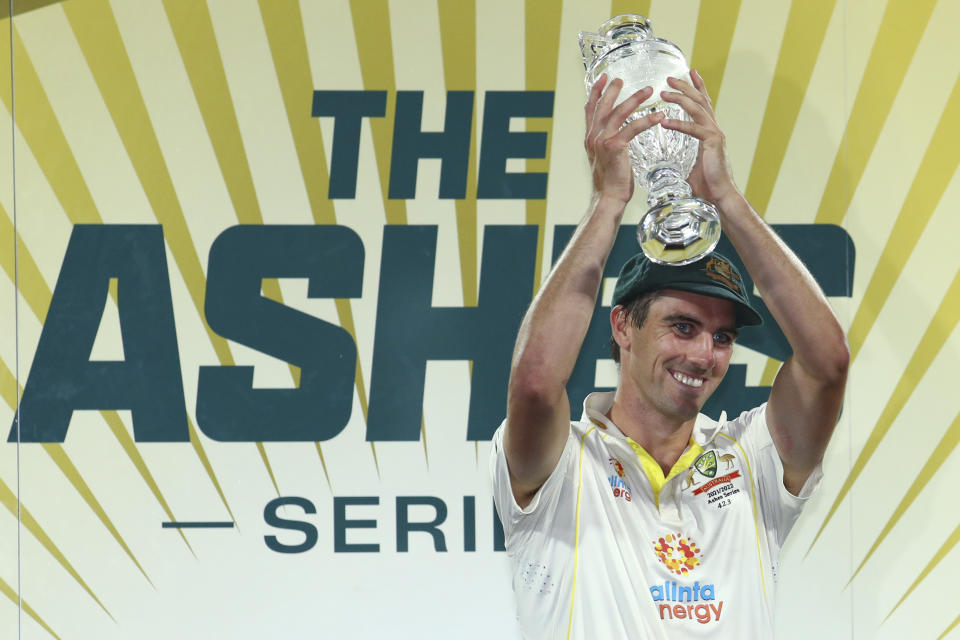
x,y
617,485
719,490
707,463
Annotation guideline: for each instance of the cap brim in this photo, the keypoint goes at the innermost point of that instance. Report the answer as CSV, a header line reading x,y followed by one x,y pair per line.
x,y
746,316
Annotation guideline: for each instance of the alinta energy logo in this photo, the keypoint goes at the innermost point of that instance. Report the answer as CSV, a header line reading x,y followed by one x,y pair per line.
x,y
617,485
676,601
680,554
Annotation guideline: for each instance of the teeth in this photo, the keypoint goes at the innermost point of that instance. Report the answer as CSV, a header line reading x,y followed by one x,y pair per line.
x,y
687,380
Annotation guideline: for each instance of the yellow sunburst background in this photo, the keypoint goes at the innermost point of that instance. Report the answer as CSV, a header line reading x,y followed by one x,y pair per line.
x,y
196,115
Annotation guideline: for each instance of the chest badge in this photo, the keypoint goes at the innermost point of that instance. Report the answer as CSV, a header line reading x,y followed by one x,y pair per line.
x,y
707,463
719,489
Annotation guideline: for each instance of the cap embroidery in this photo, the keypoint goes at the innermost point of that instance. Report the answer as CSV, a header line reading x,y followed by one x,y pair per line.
x,y
720,271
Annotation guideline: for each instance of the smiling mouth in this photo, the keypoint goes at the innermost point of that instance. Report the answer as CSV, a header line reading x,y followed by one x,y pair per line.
x,y
687,380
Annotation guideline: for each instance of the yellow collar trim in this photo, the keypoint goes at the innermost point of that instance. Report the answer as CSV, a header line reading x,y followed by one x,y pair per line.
x,y
652,468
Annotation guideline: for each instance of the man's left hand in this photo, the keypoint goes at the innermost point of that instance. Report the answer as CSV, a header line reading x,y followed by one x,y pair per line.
x,y
711,177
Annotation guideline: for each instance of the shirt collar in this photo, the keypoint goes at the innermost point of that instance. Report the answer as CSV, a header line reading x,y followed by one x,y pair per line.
x,y
596,406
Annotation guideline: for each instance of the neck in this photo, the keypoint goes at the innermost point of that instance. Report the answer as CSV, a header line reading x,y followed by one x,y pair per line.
x,y
664,437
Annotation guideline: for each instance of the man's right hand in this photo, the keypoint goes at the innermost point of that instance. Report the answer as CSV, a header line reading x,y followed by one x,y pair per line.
x,y
607,137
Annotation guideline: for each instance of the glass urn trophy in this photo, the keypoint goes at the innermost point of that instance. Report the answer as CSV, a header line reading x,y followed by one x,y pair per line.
x,y
678,228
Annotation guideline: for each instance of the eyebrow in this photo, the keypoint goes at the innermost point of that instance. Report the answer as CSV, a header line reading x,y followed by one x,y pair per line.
x,y
679,317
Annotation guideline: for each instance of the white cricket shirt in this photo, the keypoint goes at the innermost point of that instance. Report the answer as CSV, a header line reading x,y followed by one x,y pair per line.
x,y
609,548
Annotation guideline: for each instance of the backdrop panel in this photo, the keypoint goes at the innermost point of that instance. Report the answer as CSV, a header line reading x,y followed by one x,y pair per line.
x,y
271,258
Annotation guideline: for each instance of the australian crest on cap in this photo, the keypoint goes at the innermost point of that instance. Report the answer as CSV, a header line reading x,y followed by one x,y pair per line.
x,y
721,271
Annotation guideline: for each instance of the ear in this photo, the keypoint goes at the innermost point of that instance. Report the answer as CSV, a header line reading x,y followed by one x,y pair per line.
x,y
620,326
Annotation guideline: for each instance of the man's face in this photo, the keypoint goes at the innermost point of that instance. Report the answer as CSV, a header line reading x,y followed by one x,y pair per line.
x,y
676,360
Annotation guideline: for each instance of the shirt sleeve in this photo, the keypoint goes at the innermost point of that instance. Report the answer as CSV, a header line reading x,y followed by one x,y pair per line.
x,y
518,522
779,508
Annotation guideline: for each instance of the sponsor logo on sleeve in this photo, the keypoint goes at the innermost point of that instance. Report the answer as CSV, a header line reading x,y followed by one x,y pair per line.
x,y
618,487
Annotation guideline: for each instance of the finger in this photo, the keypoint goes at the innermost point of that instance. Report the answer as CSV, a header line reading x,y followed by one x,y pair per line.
x,y
590,108
632,129
694,129
689,90
681,84
700,113
597,89
698,82
701,86
595,92
628,106
608,99
608,129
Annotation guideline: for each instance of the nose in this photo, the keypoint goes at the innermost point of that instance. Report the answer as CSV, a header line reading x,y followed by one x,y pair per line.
x,y
703,351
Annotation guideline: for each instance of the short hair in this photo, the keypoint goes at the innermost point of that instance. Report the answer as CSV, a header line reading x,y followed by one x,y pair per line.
x,y
637,311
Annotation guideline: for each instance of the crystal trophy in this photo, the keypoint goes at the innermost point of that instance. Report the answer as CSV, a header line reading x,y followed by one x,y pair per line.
x,y
678,228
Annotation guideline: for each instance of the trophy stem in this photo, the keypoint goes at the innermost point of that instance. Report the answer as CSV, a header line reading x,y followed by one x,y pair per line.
x,y
666,183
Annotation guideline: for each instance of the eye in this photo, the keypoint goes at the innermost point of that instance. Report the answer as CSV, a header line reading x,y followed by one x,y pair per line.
x,y
683,327
722,338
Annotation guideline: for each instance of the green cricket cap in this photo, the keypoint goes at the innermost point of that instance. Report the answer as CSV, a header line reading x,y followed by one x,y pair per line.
x,y
713,275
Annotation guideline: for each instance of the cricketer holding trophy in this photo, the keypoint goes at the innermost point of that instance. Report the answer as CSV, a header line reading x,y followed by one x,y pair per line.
x,y
645,518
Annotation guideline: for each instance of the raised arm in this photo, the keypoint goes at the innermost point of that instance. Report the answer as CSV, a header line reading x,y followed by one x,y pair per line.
x,y
538,412
808,391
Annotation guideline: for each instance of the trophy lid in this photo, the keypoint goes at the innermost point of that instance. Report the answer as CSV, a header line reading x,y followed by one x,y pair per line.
x,y
613,33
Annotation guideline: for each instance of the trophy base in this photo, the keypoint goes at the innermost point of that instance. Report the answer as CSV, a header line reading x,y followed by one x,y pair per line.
x,y
678,232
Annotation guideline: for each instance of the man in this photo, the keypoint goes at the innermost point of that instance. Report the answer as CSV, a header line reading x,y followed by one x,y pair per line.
x,y
646,519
